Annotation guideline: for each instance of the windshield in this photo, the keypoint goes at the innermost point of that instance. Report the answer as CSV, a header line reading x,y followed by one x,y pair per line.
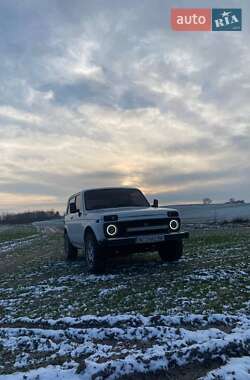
x,y
111,198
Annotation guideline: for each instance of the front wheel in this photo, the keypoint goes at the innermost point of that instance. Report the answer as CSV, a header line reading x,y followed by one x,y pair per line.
x,y
94,259
171,251
69,250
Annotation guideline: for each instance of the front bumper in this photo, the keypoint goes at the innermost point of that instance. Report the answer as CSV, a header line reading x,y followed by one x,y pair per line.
x,y
132,240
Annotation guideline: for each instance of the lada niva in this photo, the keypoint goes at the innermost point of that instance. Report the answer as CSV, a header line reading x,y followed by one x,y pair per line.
x,y
113,221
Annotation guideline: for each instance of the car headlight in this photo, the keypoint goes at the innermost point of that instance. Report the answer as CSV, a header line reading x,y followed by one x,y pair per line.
x,y
174,224
112,230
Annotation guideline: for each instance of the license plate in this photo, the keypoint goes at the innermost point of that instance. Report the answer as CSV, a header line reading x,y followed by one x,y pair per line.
x,y
150,239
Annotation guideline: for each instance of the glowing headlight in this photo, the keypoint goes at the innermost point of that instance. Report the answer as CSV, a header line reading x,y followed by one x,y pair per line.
x,y
174,224
111,230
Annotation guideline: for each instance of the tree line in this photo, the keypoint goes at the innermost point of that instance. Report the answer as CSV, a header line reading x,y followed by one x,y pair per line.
x,y
28,217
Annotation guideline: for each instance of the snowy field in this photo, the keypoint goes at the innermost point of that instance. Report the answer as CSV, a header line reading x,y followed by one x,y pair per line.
x,y
214,213
141,320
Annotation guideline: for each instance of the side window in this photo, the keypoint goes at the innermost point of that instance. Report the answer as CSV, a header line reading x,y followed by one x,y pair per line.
x,y
78,202
72,200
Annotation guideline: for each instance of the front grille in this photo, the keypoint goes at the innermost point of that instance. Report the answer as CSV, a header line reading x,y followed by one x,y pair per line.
x,y
143,227
173,214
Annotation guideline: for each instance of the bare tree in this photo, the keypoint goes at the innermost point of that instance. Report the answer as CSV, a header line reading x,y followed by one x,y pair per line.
x,y
207,201
29,217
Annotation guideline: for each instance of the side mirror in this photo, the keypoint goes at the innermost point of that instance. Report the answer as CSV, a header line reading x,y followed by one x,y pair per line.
x,y
72,208
155,203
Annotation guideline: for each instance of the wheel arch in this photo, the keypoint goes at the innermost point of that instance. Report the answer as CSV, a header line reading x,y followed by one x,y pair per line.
x,y
88,229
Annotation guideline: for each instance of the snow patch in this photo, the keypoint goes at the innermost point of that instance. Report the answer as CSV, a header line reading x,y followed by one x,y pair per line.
x,y
235,369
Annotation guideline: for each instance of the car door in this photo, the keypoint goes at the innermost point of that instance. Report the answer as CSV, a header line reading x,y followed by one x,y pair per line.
x,y
70,220
74,216
78,229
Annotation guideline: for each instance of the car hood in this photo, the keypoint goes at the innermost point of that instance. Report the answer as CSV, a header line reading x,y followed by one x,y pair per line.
x,y
124,213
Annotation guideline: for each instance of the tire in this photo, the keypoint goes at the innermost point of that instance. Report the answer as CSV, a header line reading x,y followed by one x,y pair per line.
x,y
171,251
94,258
69,250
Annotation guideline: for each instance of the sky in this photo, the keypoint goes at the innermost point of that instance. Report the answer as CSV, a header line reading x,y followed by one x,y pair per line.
x,y
102,93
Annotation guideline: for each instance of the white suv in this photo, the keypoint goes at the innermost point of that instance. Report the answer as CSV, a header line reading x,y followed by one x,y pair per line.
x,y
110,221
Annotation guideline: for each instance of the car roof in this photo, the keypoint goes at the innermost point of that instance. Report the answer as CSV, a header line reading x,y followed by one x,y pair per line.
x,y
109,188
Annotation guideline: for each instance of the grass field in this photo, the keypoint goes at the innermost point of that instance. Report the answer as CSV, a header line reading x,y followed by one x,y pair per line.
x,y
176,321
9,233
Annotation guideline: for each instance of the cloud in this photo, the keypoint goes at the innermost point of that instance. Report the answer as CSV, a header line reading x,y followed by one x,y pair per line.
x,y
8,112
38,97
74,62
105,94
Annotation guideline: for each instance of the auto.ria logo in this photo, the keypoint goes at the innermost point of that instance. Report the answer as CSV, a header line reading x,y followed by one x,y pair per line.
x,y
206,19
226,19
